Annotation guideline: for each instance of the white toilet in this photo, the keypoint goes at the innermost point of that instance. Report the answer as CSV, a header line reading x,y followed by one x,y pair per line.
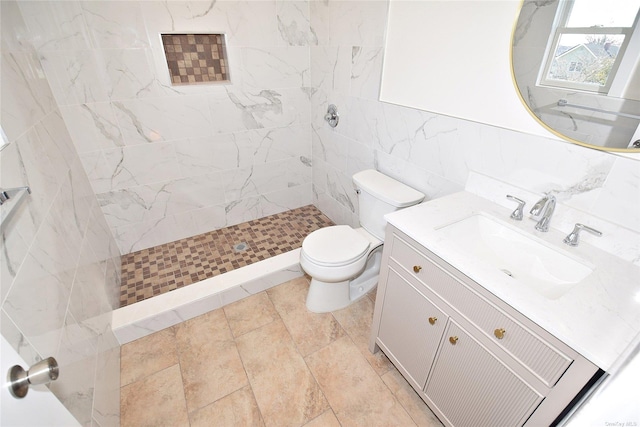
x,y
343,262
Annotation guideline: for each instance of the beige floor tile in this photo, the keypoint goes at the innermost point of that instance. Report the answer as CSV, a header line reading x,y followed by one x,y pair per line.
x,y
356,321
148,355
355,392
209,360
310,331
409,399
157,400
237,409
327,419
286,392
250,313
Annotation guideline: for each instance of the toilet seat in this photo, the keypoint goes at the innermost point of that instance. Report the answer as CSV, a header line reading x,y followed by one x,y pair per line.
x,y
335,246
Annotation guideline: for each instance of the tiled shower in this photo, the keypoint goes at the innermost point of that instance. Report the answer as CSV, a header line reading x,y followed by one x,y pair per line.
x,y
120,160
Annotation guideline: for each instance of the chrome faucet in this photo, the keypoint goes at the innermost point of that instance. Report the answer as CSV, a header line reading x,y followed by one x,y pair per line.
x,y
542,211
574,237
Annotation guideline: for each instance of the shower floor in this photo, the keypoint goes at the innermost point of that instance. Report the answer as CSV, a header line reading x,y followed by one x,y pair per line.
x,y
164,268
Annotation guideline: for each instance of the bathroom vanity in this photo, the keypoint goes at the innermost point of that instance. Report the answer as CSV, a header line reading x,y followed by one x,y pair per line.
x,y
486,339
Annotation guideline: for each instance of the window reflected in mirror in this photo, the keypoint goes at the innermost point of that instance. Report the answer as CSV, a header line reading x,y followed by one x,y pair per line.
x,y
589,41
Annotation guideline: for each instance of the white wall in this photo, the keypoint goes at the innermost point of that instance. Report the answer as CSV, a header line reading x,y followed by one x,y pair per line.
x,y
433,152
60,266
167,162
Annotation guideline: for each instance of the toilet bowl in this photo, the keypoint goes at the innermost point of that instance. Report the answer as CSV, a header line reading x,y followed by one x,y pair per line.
x,y
344,262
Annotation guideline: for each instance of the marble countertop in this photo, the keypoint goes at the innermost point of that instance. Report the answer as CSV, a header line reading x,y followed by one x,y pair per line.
x,y
598,317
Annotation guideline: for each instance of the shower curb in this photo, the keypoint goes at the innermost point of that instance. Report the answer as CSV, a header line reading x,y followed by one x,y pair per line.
x,y
163,311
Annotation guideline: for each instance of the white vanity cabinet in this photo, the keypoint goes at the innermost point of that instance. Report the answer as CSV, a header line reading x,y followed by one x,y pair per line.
x,y
470,356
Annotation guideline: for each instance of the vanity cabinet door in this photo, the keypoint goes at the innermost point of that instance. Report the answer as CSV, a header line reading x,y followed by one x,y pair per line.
x,y
470,386
410,328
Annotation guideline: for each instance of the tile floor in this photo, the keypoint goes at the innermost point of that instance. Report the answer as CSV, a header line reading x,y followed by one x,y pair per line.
x,y
267,361
163,268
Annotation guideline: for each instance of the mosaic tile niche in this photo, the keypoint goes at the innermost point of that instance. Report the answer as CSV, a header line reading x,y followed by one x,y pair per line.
x,y
195,58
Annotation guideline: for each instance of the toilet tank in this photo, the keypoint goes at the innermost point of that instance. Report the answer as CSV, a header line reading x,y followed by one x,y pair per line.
x,y
380,195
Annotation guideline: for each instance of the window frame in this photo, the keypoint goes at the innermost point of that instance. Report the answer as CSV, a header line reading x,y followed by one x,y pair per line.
x,y
560,29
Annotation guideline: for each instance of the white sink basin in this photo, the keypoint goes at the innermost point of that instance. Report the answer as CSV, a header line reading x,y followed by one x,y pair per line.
x,y
522,257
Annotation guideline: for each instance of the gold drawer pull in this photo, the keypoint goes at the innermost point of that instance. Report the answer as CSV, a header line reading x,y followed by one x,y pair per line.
x,y
453,340
433,320
499,333
417,268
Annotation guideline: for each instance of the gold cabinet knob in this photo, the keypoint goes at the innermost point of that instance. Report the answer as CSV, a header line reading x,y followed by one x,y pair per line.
x,y
417,268
433,320
499,333
453,340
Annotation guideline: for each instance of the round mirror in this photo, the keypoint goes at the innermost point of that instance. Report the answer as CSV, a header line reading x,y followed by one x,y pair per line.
x,y
576,64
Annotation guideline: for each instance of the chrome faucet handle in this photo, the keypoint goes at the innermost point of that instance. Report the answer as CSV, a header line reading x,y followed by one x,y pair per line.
x,y
572,238
518,213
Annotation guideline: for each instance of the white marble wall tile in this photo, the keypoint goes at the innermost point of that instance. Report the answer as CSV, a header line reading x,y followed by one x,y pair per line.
x,y
106,407
242,210
151,202
234,110
275,67
92,126
26,97
319,21
331,68
331,147
337,212
266,204
265,178
620,197
294,23
14,250
362,120
245,22
407,134
55,137
359,158
115,27
357,23
319,176
341,188
131,74
98,172
55,26
199,156
142,235
26,162
139,165
209,218
70,211
366,71
89,299
287,199
77,360
18,341
13,29
41,319
429,183
163,119
269,145
76,76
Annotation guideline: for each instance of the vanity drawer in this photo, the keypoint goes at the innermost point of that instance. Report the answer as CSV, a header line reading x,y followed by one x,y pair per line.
x,y
538,355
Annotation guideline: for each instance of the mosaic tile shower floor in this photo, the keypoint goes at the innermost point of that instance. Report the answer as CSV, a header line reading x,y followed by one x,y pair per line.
x,y
163,268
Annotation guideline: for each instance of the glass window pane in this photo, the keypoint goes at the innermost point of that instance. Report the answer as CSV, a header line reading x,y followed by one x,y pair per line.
x,y
585,58
603,13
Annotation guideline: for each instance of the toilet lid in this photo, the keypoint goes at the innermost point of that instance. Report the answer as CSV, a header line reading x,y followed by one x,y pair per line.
x,y
336,245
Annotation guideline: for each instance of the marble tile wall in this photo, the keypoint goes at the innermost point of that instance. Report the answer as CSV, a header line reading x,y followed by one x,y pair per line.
x,y
431,152
59,264
168,162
